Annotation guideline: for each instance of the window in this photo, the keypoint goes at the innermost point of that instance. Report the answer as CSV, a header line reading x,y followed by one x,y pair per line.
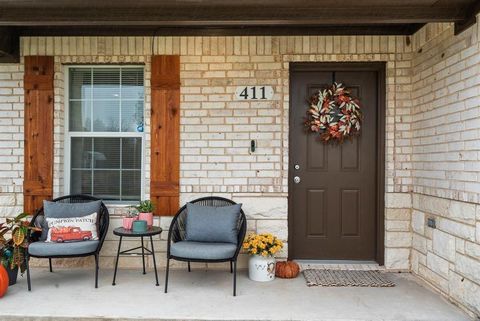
x,y
105,132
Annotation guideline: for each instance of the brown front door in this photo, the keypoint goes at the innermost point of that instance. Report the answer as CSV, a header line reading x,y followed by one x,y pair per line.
x,y
334,209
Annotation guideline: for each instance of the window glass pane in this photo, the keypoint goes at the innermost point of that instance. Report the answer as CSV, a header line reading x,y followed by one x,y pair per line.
x,y
131,182
114,164
80,83
132,116
132,153
104,90
106,151
132,83
106,184
80,117
106,83
81,182
106,115
81,155
106,100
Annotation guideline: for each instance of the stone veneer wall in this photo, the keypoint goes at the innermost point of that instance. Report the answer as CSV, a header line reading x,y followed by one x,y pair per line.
x,y
446,161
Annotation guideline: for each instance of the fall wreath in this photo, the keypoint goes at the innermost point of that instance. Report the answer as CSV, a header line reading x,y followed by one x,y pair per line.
x,y
334,114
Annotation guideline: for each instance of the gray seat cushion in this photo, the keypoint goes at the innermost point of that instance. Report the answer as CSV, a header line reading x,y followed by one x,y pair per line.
x,y
52,249
203,250
61,210
212,224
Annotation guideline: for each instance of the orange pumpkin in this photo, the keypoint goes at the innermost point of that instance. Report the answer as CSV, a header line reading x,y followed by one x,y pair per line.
x,y
3,281
287,270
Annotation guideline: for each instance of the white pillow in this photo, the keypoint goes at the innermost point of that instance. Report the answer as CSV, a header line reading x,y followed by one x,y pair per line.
x,y
72,229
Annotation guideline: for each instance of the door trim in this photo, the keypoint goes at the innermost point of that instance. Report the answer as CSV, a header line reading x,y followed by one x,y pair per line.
x,y
380,68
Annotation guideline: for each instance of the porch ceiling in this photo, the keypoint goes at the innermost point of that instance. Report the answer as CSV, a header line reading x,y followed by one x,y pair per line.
x,y
221,13
222,17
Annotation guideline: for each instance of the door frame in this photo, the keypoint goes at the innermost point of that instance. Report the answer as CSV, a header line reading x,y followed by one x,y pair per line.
x,y
380,68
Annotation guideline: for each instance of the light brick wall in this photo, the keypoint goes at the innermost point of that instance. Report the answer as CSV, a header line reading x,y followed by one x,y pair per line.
x,y
11,139
445,161
216,130
446,89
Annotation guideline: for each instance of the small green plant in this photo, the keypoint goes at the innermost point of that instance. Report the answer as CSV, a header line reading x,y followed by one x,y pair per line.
x,y
132,212
145,207
14,241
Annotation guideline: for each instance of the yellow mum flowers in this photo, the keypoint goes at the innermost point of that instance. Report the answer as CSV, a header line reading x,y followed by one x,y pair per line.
x,y
264,244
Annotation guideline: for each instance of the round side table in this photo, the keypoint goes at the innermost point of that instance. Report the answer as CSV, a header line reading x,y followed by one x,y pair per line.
x,y
120,231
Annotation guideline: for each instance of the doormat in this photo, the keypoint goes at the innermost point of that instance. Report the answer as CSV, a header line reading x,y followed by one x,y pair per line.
x,y
338,278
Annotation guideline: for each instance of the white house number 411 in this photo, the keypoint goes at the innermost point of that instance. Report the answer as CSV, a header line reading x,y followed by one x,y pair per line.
x,y
254,93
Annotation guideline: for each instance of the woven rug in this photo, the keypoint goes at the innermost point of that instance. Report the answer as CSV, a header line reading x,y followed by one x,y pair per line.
x,y
337,278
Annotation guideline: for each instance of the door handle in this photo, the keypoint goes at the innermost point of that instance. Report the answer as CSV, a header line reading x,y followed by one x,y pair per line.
x,y
296,179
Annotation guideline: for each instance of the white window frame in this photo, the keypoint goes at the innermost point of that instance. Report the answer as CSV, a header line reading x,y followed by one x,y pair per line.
x,y
68,134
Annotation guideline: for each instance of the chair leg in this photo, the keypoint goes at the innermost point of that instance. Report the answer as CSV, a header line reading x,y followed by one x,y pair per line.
x,y
189,269
166,275
231,267
96,271
27,259
235,278
50,264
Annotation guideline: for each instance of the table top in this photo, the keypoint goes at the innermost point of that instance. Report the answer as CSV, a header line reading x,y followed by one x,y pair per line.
x,y
154,230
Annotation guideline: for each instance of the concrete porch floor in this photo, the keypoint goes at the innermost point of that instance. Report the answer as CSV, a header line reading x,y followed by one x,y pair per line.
x,y
207,295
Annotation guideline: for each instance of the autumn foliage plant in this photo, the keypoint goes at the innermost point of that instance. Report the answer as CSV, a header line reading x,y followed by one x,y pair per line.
x,y
14,241
262,244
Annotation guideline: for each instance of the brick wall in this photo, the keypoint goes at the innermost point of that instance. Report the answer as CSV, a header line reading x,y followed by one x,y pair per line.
x,y
445,161
446,113
216,130
11,139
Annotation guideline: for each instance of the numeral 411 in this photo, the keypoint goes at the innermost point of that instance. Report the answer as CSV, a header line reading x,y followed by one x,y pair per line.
x,y
253,93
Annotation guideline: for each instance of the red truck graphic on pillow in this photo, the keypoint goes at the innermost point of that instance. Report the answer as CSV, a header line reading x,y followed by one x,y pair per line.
x,y
69,234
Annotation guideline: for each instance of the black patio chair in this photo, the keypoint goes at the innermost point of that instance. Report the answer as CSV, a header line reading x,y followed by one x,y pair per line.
x,y
62,250
177,233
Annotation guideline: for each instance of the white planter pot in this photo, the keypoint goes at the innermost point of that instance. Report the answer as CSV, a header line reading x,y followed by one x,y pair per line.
x,y
261,268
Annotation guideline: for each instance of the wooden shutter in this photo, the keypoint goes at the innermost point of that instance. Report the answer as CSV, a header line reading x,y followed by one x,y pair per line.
x,y
38,117
165,131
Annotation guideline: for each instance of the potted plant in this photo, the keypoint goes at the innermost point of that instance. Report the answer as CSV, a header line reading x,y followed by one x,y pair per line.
x,y
128,219
145,212
14,244
262,248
